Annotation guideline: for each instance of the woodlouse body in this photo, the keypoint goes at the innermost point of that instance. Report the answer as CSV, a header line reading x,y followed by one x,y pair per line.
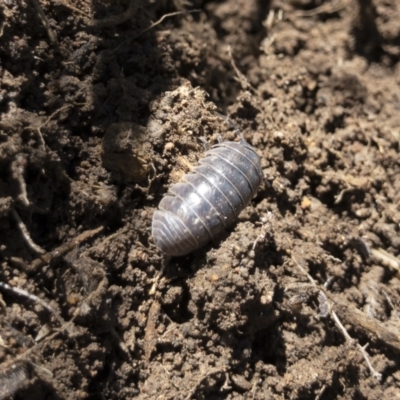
x,y
208,199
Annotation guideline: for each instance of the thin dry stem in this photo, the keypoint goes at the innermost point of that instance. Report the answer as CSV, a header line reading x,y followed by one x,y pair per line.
x,y
246,85
32,297
38,129
309,277
52,36
18,170
320,393
63,249
25,234
173,14
338,323
342,328
324,8
71,7
373,371
387,259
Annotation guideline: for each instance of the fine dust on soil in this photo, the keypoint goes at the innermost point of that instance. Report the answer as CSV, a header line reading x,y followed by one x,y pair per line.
x,y
101,112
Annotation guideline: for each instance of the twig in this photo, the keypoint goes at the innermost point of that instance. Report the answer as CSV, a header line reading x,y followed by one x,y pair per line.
x,y
105,241
342,328
22,227
71,7
48,120
388,299
351,320
269,21
164,17
387,259
254,388
309,277
63,249
152,26
3,24
3,305
374,373
324,8
369,326
38,128
246,85
362,349
320,393
52,36
25,356
339,197
17,171
19,262
226,385
328,282
35,299
150,332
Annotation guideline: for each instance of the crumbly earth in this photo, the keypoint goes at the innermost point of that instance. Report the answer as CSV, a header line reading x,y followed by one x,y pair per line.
x,y
102,109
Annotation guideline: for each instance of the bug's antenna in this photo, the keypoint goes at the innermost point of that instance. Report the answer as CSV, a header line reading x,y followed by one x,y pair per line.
x,y
233,124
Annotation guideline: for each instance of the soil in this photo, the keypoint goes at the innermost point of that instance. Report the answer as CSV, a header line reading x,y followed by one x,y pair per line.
x,y
104,106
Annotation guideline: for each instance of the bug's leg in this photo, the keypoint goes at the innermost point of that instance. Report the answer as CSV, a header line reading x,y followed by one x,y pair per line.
x,y
205,143
234,125
219,138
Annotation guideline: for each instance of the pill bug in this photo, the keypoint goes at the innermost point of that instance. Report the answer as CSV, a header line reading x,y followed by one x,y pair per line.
x,y
207,200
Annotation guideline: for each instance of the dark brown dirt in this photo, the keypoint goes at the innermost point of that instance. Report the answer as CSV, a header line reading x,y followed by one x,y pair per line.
x,y
100,114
